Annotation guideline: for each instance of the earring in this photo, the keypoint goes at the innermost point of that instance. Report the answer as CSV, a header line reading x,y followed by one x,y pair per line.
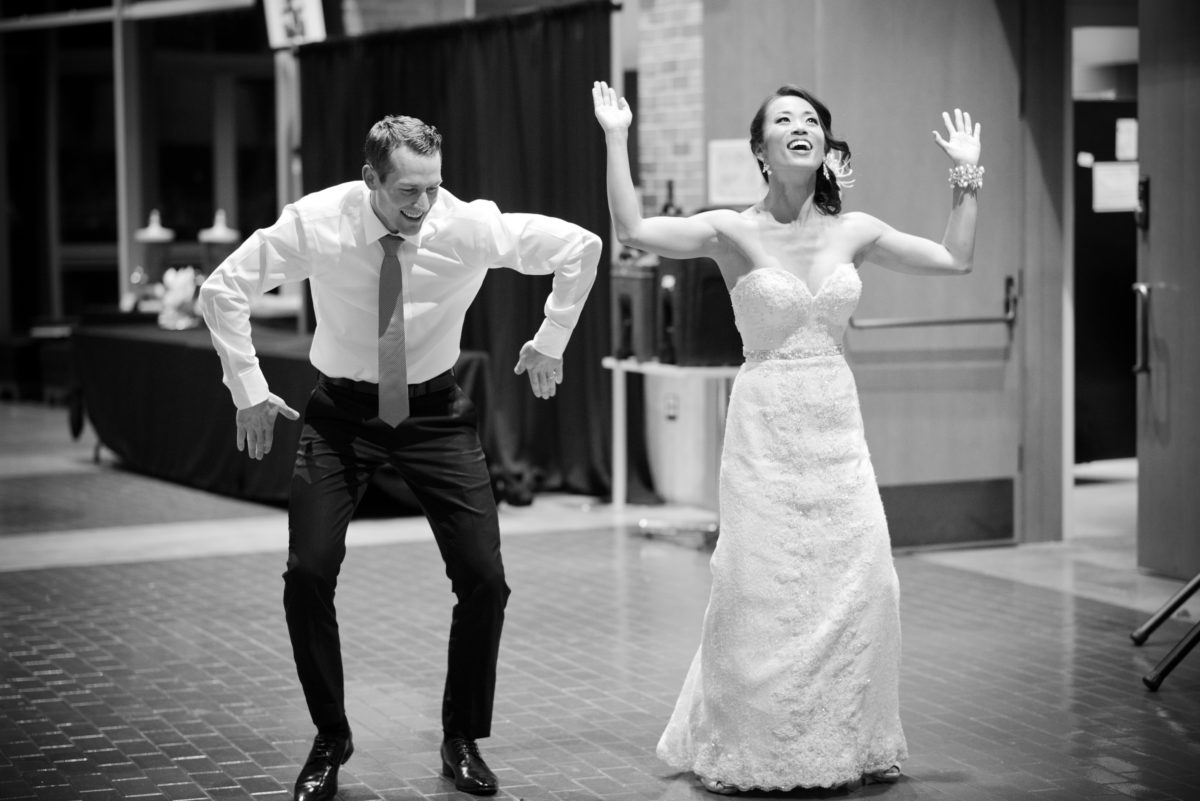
x,y
825,169
766,168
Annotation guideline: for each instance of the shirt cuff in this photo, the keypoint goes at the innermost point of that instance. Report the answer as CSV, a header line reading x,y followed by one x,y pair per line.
x,y
551,339
249,389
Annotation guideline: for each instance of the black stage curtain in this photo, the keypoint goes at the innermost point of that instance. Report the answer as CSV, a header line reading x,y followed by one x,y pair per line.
x,y
512,98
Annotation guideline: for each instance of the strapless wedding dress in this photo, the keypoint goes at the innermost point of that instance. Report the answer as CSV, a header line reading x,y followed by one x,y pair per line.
x,y
795,680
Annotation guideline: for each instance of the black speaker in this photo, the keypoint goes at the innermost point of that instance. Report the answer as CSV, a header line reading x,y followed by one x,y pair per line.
x,y
695,315
634,311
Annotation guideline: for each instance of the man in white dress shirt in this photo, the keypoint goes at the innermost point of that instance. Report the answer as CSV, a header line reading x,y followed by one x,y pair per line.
x,y
338,239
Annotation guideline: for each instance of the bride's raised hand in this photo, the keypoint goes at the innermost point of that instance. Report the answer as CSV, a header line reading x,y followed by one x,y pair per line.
x,y
962,146
612,112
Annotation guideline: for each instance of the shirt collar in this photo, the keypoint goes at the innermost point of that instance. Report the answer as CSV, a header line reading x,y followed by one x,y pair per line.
x,y
374,229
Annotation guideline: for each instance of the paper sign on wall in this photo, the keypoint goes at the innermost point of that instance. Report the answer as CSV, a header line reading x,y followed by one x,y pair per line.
x,y
294,22
1114,186
733,176
1127,139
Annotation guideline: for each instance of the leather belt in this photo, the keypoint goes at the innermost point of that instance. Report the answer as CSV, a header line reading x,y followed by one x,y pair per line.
x,y
436,384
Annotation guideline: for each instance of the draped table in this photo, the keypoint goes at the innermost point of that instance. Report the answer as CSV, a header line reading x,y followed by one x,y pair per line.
x,y
156,400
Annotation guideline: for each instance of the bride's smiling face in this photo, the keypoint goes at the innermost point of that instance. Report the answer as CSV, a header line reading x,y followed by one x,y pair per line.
x,y
792,136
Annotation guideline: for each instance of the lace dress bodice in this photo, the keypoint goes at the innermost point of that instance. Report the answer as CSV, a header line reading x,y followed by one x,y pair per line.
x,y
778,316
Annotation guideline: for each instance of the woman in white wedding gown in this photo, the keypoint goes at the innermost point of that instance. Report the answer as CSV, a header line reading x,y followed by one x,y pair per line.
x,y
795,680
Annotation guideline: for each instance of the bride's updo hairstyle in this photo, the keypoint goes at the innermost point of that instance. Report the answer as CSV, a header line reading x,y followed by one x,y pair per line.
x,y
828,197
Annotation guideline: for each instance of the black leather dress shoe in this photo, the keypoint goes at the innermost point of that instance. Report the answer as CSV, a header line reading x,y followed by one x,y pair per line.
x,y
462,763
318,777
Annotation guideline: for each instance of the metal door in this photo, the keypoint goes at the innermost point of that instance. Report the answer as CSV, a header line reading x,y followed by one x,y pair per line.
x,y
1168,289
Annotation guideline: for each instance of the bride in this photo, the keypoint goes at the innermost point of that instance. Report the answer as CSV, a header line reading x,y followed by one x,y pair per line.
x,y
795,682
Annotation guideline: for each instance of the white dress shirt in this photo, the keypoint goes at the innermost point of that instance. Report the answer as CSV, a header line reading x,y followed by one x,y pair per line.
x,y
331,238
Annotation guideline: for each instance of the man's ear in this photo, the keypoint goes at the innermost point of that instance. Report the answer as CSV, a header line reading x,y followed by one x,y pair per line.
x,y
369,177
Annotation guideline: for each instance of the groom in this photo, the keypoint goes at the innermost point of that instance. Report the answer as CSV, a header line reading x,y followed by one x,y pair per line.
x,y
393,262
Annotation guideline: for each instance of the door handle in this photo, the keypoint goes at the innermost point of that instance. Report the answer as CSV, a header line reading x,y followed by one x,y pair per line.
x,y
1141,293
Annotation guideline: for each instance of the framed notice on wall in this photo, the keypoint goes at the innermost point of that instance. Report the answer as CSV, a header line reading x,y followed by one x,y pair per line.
x,y
733,176
294,22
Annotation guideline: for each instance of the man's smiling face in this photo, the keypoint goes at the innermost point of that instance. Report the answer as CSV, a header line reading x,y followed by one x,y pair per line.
x,y
404,196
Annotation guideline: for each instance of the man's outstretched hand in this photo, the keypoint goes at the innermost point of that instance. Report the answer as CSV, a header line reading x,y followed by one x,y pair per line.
x,y
256,425
545,373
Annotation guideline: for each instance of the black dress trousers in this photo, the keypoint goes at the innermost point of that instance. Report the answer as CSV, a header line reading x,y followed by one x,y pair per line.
x,y
438,453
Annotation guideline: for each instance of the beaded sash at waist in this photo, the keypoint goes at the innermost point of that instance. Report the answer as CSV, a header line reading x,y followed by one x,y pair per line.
x,y
791,353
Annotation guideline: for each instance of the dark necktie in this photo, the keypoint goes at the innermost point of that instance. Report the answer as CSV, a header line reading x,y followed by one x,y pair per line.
x,y
393,372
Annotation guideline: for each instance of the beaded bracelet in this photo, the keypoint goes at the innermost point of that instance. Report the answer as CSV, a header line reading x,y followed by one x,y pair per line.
x,y
966,176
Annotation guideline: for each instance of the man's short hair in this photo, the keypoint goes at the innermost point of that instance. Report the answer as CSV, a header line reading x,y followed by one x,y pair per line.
x,y
392,132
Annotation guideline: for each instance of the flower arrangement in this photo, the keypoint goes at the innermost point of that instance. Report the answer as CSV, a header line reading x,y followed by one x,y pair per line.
x,y
178,295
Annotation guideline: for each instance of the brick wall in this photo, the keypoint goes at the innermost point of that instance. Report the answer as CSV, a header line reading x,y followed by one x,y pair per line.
x,y
671,137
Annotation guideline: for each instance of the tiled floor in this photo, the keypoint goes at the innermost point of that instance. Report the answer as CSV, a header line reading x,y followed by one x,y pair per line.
x,y
143,652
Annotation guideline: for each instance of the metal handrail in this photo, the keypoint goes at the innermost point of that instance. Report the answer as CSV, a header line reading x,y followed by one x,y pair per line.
x,y
1009,317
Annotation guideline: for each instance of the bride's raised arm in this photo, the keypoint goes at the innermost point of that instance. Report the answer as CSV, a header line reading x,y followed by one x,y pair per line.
x,y
956,252
672,237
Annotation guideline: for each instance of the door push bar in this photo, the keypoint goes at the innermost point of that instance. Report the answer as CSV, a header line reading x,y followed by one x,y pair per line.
x,y
1141,292
1009,317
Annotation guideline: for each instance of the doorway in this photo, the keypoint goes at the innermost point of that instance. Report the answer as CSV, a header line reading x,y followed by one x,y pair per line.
x,y
1104,150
